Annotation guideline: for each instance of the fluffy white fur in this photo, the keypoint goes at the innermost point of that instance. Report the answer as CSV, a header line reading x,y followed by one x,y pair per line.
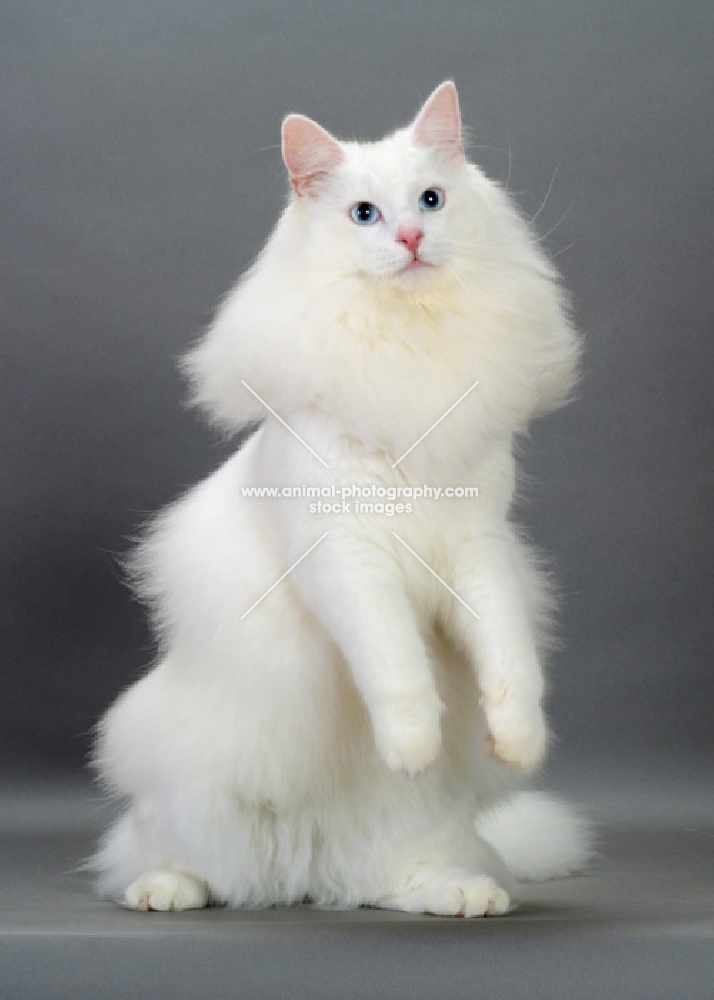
x,y
340,740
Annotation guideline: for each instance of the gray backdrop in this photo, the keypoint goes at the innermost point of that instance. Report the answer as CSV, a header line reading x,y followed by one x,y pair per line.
x,y
140,175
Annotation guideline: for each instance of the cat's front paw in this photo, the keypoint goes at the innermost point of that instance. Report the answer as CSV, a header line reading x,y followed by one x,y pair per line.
x,y
518,734
408,731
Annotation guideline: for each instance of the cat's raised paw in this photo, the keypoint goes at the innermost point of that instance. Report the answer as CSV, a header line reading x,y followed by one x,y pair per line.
x,y
165,890
518,734
408,735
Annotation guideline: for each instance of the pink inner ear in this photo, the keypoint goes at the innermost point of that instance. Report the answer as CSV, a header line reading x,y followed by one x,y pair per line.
x,y
439,121
309,151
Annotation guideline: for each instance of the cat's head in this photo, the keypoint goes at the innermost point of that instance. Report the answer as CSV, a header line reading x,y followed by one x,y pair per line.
x,y
398,272
390,210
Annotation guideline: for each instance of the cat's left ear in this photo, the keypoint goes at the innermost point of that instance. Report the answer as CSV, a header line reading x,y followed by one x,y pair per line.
x,y
438,124
309,152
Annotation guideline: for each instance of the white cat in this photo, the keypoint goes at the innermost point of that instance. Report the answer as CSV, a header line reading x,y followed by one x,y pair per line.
x,y
354,734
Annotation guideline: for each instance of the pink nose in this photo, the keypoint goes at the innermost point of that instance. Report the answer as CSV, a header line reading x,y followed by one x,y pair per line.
x,y
411,237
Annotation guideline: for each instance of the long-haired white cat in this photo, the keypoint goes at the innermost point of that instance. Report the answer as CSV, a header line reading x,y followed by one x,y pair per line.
x,y
345,699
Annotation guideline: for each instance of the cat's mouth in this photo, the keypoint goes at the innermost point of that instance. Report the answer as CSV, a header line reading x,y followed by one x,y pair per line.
x,y
415,264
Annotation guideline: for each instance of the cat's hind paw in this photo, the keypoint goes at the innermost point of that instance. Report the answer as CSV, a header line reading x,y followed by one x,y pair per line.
x,y
451,895
166,890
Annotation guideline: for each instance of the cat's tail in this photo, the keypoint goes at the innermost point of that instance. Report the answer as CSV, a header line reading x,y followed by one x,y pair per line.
x,y
538,836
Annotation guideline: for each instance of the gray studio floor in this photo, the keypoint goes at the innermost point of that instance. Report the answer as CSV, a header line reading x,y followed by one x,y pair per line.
x,y
639,924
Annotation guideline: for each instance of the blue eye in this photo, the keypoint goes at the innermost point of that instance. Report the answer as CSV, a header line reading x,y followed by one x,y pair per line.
x,y
364,213
431,200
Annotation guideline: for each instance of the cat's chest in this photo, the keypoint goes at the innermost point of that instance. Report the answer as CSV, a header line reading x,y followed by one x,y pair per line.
x,y
330,483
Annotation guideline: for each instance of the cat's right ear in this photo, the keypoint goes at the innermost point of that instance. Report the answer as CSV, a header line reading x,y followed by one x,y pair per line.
x,y
309,152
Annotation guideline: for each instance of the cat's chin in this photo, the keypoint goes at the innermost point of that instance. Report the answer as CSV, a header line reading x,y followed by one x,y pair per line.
x,y
417,274
414,273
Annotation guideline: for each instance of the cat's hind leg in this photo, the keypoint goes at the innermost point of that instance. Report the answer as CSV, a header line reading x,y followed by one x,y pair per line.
x,y
452,872
134,873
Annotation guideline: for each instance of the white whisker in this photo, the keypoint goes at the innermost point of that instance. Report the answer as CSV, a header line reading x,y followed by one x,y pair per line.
x,y
485,283
565,249
550,232
547,193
